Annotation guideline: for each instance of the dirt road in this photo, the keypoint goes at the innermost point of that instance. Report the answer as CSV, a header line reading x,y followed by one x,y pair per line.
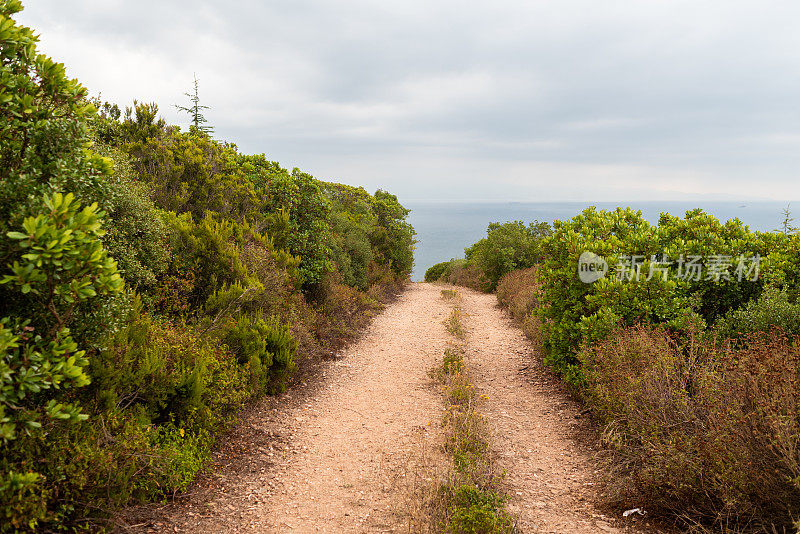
x,y
340,456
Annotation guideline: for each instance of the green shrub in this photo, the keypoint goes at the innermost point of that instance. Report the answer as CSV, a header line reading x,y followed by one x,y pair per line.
x,y
437,271
352,252
573,312
63,266
168,371
266,346
188,171
137,236
306,233
507,247
699,233
476,511
392,237
770,310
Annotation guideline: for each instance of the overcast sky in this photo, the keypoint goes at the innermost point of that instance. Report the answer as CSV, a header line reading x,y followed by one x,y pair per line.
x,y
580,100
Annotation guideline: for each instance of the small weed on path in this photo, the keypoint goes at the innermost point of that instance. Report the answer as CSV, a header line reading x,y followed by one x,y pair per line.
x,y
453,323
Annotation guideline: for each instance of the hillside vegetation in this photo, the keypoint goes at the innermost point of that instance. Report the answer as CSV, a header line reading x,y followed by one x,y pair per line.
x,y
154,281
693,380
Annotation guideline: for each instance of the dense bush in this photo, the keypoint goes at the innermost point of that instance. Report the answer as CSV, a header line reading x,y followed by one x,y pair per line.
x,y
437,271
772,309
393,237
705,432
507,247
266,346
574,313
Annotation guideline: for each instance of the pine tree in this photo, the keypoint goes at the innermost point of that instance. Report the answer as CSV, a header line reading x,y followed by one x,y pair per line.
x,y
787,227
195,110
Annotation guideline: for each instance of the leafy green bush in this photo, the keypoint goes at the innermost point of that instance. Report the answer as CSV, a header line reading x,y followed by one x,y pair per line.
x,y
307,233
701,234
352,252
42,141
437,271
63,266
266,346
573,312
507,247
392,237
772,309
187,171
137,236
477,511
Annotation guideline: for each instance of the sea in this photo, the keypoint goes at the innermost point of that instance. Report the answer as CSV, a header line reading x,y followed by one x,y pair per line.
x,y
445,228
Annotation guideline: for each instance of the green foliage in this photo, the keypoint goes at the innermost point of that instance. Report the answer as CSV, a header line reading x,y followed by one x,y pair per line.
x,y
167,371
476,511
64,262
211,247
351,249
772,309
24,502
307,234
136,234
392,237
703,235
438,271
507,247
160,394
188,172
30,367
573,312
268,347
42,137
781,264
63,265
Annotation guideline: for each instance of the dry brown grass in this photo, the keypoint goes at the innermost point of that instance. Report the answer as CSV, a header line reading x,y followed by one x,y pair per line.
x,y
518,292
466,275
700,430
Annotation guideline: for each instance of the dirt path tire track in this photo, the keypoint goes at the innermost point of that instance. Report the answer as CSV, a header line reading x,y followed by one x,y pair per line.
x,y
536,428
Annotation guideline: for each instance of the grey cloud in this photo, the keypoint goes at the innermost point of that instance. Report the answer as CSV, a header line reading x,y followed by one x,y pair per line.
x,y
454,94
